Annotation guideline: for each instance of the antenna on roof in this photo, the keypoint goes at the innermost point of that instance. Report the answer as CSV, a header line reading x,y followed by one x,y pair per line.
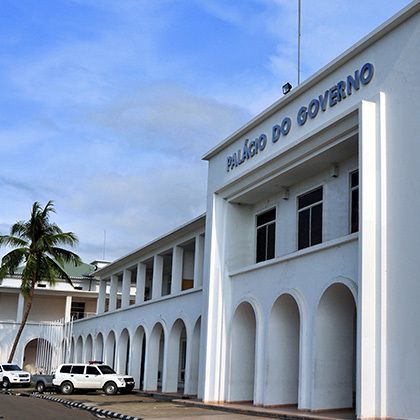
x,y
299,34
103,251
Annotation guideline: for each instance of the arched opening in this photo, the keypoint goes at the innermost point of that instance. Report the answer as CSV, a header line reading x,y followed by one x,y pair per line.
x,y
123,352
38,356
138,357
99,347
335,350
242,354
177,355
155,355
191,382
79,350
110,350
88,348
283,353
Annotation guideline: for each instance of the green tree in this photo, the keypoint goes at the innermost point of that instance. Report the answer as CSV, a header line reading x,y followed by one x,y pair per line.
x,y
37,246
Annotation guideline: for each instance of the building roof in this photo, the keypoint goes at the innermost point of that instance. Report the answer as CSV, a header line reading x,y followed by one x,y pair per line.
x,y
156,243
372,37
81,271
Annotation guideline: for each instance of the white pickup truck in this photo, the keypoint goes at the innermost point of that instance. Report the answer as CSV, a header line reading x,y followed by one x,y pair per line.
x,y
69,377
12,375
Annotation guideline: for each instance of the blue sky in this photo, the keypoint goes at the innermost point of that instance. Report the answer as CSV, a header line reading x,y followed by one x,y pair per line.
x,y
107,106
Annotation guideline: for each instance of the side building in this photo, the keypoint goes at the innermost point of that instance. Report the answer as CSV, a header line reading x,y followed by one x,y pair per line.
x,y
154,337
52,306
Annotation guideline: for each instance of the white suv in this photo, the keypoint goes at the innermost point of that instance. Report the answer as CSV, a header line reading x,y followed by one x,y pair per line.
x,y
13,375
69,377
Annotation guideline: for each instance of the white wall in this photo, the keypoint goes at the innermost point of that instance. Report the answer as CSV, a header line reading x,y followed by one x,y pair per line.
x,y
47,308
8,306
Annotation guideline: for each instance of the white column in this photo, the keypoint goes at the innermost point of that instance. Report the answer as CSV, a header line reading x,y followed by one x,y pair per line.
x,y
198,261
372,305
113,293
191,365
67,311
20,308
168,359
126,286
100,306
140,282
177,262
157,276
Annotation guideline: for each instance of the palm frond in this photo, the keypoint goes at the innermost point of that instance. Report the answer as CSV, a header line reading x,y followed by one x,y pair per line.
x,y
59,271
12,260
19,229
8,240
62,256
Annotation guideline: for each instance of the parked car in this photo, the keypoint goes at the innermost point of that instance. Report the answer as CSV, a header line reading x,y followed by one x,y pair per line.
x,y
92,376
13,375
42,382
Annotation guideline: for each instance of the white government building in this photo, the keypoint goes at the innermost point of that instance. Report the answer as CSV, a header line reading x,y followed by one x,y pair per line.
x,y
301,285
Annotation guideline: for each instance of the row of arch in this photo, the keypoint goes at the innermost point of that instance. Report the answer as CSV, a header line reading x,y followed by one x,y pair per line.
x,y
332,371
162,359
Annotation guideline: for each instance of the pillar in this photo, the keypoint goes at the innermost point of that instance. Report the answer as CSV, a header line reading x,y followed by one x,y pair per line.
x,y
67,311
20,308
113,293
100,306
126,286
157,276
140,282
177,267
198,261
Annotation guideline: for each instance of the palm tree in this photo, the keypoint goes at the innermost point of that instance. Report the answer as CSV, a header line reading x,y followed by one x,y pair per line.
x,y
37,246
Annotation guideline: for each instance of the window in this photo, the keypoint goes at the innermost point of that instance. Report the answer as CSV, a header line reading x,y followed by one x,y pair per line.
x,y
266,235
78,369
310,218
105,369
77,310
92,370
65,369
354,202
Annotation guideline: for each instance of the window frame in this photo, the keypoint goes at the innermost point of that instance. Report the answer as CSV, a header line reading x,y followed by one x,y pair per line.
x,y
300,194
351,189
259,213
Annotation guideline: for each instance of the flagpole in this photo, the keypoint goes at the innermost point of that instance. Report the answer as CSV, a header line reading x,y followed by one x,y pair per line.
x,y
299,33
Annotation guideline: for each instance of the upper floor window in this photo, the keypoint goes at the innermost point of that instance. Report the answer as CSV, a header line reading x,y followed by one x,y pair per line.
x,y
266,235
310,218
354,201
77,310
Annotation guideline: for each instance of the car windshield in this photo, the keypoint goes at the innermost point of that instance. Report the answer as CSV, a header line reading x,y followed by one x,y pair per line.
x,y
11,367
106,369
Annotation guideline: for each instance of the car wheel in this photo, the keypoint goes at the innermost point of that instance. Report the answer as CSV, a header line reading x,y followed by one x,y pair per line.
x,y
40,387
6,383
66,388
110,388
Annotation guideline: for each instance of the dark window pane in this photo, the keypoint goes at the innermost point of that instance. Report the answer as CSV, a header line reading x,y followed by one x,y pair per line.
x,y
303,229
78,369
268,216
261,243
354,181
92,370
316,224
65,369
271,240
354,211
310,198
